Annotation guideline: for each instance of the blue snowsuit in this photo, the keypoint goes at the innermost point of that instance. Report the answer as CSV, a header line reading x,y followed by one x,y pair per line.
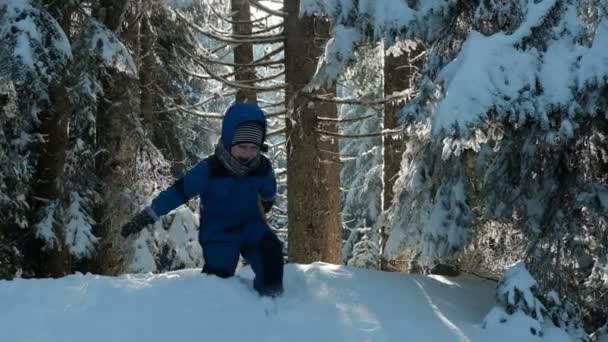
x,y
231,221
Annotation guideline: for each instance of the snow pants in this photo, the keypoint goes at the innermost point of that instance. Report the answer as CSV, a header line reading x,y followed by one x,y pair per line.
x,y
257,244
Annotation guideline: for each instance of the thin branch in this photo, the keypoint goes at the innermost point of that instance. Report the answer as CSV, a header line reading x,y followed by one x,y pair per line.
x,y
259,6
368,135
237,85
212,98
347,120
275,114
275,38
270,54
202,77
268,29
215,116
237,22
404,95
240,84
278,144
268,104
276,132
267,78
245,36
214,51
256,63
237,65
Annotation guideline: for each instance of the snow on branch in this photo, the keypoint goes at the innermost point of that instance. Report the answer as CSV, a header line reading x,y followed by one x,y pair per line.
x,y
33,39
491,73
503,77
102,43
79,236
518,290
357,20
508,74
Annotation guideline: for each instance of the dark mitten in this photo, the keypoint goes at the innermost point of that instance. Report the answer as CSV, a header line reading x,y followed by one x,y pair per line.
x,y
138,222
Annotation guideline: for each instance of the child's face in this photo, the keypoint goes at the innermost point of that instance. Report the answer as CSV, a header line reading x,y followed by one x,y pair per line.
x,y
244,152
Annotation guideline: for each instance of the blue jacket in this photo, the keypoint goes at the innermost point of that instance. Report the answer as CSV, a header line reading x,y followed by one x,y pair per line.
x,y
227,202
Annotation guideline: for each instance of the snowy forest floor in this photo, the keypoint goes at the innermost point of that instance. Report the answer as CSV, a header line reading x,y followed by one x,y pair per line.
x,y
322,302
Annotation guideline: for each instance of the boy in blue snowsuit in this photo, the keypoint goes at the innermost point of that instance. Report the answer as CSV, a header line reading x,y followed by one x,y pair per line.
x,y
234,185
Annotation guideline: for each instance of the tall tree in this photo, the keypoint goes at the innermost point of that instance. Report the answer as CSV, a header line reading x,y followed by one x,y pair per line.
x,y
244,72
503,153
114,163
402,63
48,193
315,231
34,60
361,156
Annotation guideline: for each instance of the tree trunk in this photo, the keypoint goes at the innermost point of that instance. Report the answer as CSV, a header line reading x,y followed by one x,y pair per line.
x,y
399,74
147,74
49,177
114,163
315,232
48,192
243,53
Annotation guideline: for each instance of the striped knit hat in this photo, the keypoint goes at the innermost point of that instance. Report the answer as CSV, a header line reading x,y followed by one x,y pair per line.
x,y
248,132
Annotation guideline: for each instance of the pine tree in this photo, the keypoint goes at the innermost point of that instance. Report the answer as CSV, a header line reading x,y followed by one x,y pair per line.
x,y
505,156
315,232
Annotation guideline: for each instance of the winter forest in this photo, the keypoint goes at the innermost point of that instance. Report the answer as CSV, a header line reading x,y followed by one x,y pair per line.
x,y
422,136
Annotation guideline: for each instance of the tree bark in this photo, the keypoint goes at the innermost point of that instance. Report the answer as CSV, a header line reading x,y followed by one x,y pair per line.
x,y
114,163
243,53
315,231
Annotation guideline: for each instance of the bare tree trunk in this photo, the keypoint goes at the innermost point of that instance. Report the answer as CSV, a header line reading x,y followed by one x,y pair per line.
x,y
315,232
399,74
114,161
243,53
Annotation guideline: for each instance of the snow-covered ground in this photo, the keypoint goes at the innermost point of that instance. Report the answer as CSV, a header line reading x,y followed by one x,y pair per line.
x,y
322,302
